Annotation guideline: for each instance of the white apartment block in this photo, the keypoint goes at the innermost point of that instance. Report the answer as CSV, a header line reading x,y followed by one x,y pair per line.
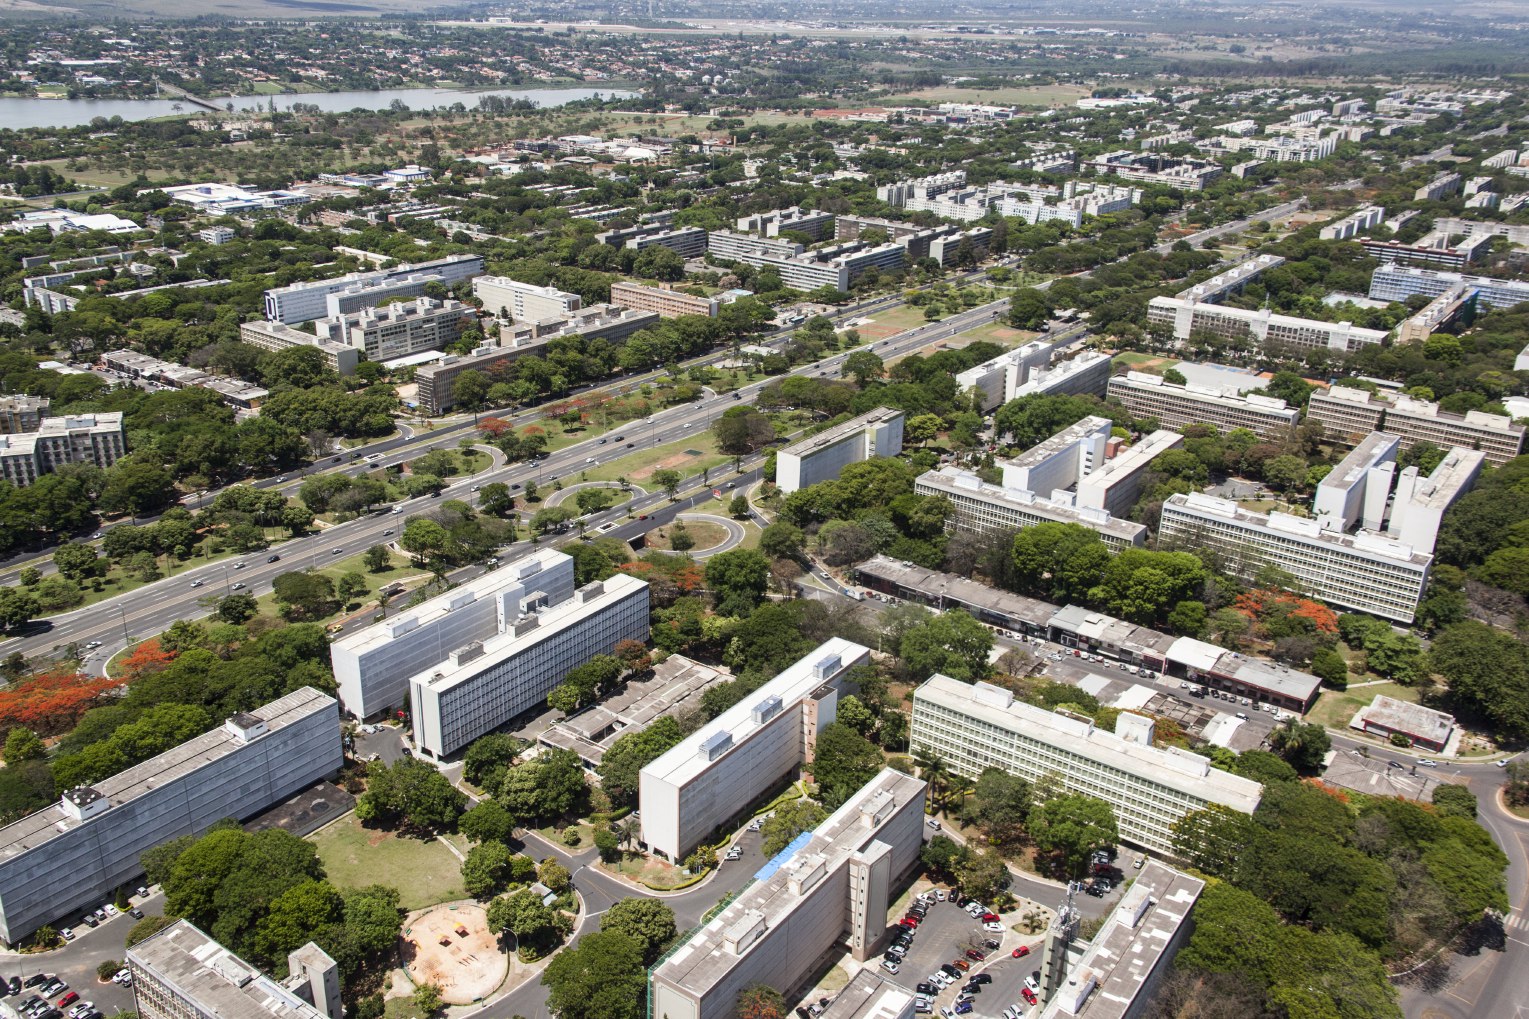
x,y
834,891
978,507
1231,281
837,266
898,194
815,225
745,248
399,330
1262,327
1353,224
718,771
1355,491
1279,148
485,683
303,302
1441,186
1397,283
976,726
182,973
822,456
503,297
275,336
1501,161
371,293
1174,406
1071,207
1058,463
661,300
78,851
1363,572
1348,414
373,665
1088,373
1437,313
1146,168
997,380
97,439
1420,503
686,241
1114,486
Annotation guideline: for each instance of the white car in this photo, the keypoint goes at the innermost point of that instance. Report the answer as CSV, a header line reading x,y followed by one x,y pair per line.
x,y
110,909
889,966
939,894
1428,764
995,928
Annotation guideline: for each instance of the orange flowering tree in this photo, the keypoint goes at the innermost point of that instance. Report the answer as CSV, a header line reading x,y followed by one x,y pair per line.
x,y
50,703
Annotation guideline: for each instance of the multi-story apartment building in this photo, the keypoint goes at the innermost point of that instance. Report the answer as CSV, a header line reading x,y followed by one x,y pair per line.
x,y
1061,461
1147,168
1420,503
1349,414
274,336
838,266
1175,406
78,851
808,222
822,456
182,973
745,248
596,322
1362,572
662,301
1114,485
1262,327
22,413
1436,251
373,665
97,439
1354,223
1459,300
978,507
973,727
1441,186
303,302
898,194
1355,491
1232,281
997,381
1397,283
503,297
835,889
722,768
399,330
483,684
686,241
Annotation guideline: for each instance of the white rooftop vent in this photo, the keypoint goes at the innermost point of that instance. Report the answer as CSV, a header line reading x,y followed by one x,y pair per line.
x,y
827,667
715,745
398,627
766,709
245,727
83,802
460,599
467,653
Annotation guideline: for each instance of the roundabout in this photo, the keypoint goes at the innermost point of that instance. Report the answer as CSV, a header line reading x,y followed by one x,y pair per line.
x,y
713,534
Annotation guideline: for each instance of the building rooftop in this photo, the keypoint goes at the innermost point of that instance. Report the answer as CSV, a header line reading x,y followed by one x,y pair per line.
x,y
1109,631
1061,442
869,996
1133,458
1173,767
1205,394
1372,449
937,586
958,481
1238,275
1458,470
694,754
838,433
712,951
1256,672
675,682
1404,716
1117,966
37,829
221,983
1374,776
464,664
1364,543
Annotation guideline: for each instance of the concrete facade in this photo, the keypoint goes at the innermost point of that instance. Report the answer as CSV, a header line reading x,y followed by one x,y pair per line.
x,y
1175,406
276,336
303,302
979,507
97,439
1348,414
400,330
821,457
182,973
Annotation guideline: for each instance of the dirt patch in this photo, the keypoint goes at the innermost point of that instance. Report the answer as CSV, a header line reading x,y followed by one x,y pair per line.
x,y
466,968
704,533
669,463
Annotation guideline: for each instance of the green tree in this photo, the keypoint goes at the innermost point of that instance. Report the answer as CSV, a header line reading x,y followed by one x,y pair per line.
x,y
864,366
409,793
487,821
952,643
738,509
789,821
668,480
310,595
352,587
17,607
980,874
486,869
1029,308
1302,744
427,997
522,914
922,428
21,745
237,608
782,540
633,751
375,559
1328,666
1001,804
649,922
1072,827
601,978
843,761
737,580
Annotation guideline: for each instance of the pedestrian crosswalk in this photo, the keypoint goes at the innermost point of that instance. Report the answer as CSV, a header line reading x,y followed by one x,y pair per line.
x,y
1516,921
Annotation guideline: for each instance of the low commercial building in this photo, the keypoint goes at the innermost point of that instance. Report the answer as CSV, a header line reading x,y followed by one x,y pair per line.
x,y
1348,414
822,456
372,665
979,507
664,302
721,769
303,302
97,439
976,726
836,889
77,852
483,684
1364,572
1119,969
235,392
1422,727
871,995
399,330
339,357
503,297
1175,406
182,973
1258,679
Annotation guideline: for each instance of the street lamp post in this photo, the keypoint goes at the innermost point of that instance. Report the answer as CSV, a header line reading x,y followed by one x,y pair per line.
x,y
123,612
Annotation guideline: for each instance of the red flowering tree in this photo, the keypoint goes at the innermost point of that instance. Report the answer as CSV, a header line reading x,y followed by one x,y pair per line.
x,y
50,703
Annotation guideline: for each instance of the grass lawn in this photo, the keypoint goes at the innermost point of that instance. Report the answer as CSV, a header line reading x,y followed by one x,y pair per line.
x,y
1336,707
996,332
887,323
401,1008
649,870
401,570
704,533
423,872
639,465
1143,362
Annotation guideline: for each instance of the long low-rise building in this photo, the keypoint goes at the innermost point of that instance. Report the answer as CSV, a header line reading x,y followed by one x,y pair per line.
x,y
979,507
1363,572
835,889
182,973
1399,282
1268,330
1175,406
718,771
79,851
485,683
974,727
821,457
96,439
339,357
662,301
303,302
373,665
503,297
1348,414
235,392
1074,626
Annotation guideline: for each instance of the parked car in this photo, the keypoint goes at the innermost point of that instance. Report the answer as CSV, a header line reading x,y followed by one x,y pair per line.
x,y
996,928
1028,995
1021,951
974,955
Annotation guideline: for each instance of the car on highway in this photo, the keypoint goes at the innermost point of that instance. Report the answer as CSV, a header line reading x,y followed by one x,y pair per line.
x,y
631,445
589,459
617,438
601,442
93,644
198,583
336,551
240,566
388,533
238,587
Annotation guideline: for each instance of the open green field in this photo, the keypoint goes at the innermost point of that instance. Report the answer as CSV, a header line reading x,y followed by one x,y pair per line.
x,y
638,466
1144,362
423,872
997,332
1025,95
887,323
1335,707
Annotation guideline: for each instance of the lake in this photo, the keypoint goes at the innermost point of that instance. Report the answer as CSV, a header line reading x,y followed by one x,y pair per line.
x,y
60,113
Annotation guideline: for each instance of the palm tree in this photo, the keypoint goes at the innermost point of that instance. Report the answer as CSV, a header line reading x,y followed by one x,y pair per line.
x,y
932,769
627,829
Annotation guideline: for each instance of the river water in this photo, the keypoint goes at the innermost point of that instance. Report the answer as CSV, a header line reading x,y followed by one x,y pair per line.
x,y
60,113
